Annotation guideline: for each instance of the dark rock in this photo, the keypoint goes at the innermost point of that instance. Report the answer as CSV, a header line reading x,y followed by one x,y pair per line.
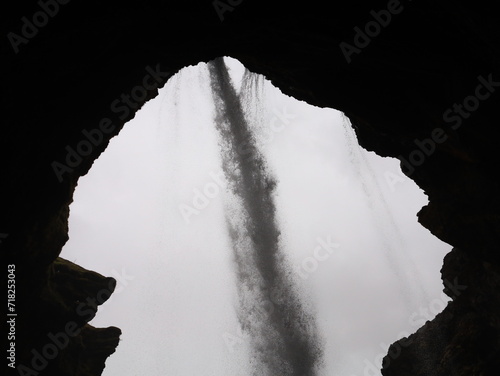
x,y
65,78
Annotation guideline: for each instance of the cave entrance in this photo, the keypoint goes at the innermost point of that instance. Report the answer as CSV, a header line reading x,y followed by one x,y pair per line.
x,y
152,213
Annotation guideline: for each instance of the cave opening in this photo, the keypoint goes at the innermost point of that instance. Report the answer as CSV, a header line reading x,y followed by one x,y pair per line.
x,y
151,213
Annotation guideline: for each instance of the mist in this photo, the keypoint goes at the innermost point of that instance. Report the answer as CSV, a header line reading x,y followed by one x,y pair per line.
x,y
283,335
158,212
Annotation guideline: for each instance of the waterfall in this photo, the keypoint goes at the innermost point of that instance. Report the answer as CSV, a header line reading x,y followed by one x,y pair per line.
x,y
281,329
383,220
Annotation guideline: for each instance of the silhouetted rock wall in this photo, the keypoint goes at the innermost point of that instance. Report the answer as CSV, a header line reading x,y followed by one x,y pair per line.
x,y
418,79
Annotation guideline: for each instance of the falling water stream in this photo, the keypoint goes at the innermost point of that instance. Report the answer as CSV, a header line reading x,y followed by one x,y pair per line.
x,y
383,220
231,264
284,338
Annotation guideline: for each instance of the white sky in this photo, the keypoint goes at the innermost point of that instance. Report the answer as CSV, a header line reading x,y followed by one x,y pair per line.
x,y
176,308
